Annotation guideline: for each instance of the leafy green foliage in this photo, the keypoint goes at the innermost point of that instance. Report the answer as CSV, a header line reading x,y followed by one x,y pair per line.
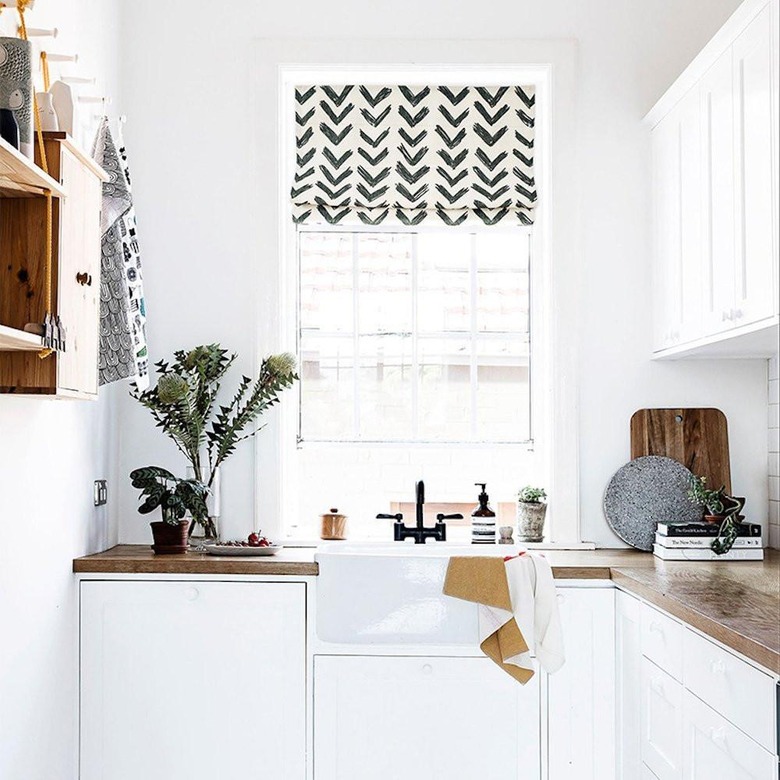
x,y
701,495
160,488
718,502
531,495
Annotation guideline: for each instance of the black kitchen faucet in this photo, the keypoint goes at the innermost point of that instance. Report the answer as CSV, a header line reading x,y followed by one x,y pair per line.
x,y
419,532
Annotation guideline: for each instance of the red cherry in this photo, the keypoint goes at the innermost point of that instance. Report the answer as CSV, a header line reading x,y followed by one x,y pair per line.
x,y
253,538
264,542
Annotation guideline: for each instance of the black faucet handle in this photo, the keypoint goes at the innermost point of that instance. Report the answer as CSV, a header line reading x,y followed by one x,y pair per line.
x,y
456,516
397,517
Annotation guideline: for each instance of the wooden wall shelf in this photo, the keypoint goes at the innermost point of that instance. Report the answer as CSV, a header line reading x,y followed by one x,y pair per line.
x,y
22,178
14,340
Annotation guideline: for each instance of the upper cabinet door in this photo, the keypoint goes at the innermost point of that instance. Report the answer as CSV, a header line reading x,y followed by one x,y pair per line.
x,y
717,127
756,288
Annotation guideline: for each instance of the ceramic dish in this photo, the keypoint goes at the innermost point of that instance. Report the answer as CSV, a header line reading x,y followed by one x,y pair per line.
x,y
225,549
647,491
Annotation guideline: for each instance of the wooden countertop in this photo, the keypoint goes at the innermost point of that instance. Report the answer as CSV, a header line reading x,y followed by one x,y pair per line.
x,y
735,603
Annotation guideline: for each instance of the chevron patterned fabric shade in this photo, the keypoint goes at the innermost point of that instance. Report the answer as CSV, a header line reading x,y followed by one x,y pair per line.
x,y
408,155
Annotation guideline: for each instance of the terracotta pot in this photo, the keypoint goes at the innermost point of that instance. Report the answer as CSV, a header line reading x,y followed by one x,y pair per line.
x,y
333,525
169,539
530,521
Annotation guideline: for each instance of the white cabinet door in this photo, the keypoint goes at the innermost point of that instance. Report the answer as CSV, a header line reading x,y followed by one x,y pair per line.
x,y
581,695
629,675
717,115
661,722
667,269
418,718
192,681
717,750
756,217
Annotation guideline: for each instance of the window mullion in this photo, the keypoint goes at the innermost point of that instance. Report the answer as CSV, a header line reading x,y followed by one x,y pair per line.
x,y
355,336
473,329
415,343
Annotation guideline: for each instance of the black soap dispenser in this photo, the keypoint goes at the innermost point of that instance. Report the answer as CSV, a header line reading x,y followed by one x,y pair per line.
x,y
483,520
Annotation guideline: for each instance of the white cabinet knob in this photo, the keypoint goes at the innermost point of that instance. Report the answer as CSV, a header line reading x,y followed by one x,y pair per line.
x,y
427,669
192,593
738,314
718,736
656,628
717,667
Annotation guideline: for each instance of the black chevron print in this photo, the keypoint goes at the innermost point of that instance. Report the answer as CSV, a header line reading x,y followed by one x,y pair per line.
x,y
491,139
411,177
453,97
453,120
302,120
487,162
412,140
373,160
412,98
373,180
452,196
375,100
491,119
492,100
374,142
413,120
337,97
451,142
334,137
373,120
302,97
337,119
370,155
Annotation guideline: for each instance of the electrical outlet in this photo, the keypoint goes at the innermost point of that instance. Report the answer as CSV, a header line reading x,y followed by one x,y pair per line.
x,y
101,492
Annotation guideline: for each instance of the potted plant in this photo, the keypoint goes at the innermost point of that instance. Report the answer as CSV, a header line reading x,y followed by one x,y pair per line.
x,y
531,512
718,507
174,497
183,404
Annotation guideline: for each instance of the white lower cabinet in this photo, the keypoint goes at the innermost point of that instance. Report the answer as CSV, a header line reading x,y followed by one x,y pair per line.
x,y
717,750
628,685
661,722
581,695
192,680
419,718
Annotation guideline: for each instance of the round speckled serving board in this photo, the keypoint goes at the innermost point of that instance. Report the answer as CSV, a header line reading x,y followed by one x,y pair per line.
x,y
643,493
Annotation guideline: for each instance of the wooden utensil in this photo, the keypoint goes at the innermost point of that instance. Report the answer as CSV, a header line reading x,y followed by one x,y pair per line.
x,y
697,438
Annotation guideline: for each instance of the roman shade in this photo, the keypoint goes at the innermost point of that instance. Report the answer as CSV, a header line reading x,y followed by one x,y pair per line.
x,y
444,155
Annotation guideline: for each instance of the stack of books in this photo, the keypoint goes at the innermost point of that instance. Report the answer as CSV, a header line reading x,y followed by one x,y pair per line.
x,y
691,542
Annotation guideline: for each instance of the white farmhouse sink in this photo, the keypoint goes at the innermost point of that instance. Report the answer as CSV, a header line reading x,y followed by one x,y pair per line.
x,y
390,594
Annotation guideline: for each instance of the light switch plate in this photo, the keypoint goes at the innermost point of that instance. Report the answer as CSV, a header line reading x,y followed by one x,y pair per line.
x,y
101,492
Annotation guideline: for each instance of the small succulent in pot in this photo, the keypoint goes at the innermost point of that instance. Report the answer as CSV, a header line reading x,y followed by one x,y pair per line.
x,y
175,497
718,507
531,513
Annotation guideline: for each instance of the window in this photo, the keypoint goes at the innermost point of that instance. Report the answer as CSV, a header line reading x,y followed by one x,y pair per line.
x,y
419,337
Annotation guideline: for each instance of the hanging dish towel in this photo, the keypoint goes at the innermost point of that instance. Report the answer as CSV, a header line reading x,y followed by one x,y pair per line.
x,y
518,610
123,349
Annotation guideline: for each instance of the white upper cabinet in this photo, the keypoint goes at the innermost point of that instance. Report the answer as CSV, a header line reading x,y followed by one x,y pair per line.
x,y
715,184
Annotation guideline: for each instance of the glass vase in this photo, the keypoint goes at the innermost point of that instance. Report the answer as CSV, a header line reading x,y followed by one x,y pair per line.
x,y
206,531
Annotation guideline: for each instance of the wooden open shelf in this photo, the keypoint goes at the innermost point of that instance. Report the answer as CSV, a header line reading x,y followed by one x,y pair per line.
x,y
14,340
20,177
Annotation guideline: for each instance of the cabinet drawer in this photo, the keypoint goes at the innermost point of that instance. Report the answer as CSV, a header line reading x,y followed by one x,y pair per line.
x,y
732,687
716,750
661,722
662,641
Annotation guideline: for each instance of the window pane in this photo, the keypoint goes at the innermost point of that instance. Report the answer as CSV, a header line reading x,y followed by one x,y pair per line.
x,y
327,388
326,282
385,388
503,399
502,282
385,283
444,282
445,389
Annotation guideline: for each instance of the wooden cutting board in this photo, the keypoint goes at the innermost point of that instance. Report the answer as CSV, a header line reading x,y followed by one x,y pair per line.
x,y
697,438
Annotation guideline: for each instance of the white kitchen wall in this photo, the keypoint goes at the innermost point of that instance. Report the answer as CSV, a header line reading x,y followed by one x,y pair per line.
x,y
50,452
774,452
200,158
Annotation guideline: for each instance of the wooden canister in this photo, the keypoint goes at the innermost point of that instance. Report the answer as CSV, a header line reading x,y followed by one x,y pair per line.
x,y
333,525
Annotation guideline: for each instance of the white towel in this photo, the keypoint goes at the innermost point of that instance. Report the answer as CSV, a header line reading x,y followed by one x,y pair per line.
x,y
535,609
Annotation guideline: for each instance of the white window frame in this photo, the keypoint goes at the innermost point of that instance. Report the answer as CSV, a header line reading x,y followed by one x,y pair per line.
x,y
324,60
